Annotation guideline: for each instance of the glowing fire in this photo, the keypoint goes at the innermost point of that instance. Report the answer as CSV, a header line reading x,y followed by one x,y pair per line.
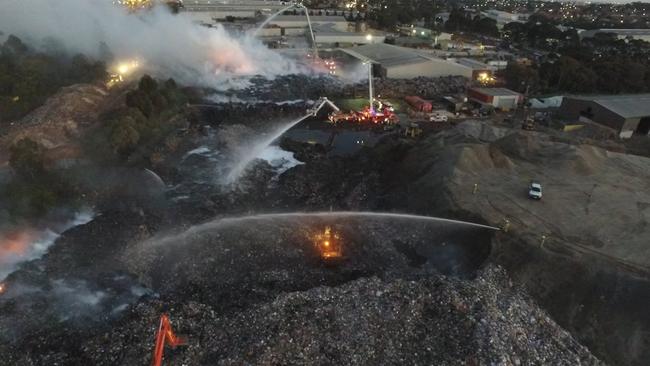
x,y
121,70
13,245
328,243
3,287
134,4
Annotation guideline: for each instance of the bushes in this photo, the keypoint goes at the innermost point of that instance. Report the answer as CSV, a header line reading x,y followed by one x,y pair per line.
x,y
152,100
137,129
28,78
26,159
34,190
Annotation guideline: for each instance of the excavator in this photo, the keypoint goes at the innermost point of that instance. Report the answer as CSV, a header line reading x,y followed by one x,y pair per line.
x,y
320,103
165,335
382,115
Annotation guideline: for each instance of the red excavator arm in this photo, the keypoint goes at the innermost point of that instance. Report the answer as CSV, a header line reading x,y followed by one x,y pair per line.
x,y
165,334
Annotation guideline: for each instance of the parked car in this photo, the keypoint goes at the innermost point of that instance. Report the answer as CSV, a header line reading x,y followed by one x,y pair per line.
x,y
535,191
438,118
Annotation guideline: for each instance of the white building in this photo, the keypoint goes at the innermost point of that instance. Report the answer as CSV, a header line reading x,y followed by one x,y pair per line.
x,y
503,17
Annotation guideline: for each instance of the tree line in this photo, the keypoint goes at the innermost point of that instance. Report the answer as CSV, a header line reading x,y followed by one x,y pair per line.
x,y
132,133
129,134
602,64
28,77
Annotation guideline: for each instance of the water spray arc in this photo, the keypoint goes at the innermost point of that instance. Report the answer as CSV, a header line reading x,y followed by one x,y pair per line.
x,y
292,6
225,222
344,214
257,150
370,90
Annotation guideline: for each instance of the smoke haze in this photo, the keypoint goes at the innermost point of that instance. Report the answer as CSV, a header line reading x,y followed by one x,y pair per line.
x,y
169,45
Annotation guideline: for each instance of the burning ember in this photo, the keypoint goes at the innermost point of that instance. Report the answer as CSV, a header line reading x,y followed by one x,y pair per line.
x,y
3,287
328,244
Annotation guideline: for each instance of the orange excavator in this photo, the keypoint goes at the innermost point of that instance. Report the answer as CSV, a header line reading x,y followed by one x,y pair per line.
x,y
165,335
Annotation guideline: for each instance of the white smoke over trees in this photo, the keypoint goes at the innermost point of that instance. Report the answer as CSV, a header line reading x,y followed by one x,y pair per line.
x,y
170,45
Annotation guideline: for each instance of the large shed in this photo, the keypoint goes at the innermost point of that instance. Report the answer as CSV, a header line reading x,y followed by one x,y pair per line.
x,y
501,98
405,63
627,114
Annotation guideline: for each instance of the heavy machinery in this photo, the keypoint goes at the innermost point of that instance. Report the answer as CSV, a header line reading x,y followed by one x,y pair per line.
x,y
320,103
165,335
383,114
528,124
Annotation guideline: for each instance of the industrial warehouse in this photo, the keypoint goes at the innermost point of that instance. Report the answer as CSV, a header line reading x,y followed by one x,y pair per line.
x,y
403,63
626,114
502,98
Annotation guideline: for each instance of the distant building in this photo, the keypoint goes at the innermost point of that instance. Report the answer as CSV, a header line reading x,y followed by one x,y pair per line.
x,y
640,34
295,24
413,31
627,114
498,64
477,67
405,63
501,98
327,37
209,12
503,17
443,39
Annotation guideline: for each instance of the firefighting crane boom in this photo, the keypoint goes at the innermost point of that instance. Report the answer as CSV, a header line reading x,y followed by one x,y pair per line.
x,y
320,103
295,5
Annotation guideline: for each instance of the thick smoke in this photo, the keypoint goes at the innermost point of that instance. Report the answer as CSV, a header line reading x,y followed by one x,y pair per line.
x,y
77,302
22,244
170,45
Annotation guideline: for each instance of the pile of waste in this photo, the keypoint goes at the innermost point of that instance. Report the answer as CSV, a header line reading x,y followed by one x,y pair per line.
x,y
369,321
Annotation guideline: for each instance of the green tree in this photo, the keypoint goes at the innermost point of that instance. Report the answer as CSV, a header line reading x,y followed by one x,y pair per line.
x,y
140,100
14,45
485,26
574,76
148,85
521,77
124,136
84,70
27,158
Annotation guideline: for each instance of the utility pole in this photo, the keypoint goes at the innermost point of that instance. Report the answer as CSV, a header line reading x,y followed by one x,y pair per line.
x,y
372,108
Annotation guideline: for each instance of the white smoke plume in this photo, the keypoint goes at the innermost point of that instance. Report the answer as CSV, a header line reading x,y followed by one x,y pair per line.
x,y
170,45
19,245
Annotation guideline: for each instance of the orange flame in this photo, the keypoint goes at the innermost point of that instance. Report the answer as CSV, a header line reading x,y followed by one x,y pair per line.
x,y
328,243
14,244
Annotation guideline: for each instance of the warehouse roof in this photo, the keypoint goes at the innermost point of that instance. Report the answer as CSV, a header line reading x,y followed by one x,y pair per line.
x,y
620,32
625,105
313,18
386,54
474,64
496,91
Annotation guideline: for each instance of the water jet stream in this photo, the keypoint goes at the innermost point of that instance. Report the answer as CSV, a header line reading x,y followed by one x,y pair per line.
x,y
228,221
269,19
326,214
257,150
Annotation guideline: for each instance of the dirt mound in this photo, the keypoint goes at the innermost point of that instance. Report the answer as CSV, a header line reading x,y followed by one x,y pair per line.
x,y
58,123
